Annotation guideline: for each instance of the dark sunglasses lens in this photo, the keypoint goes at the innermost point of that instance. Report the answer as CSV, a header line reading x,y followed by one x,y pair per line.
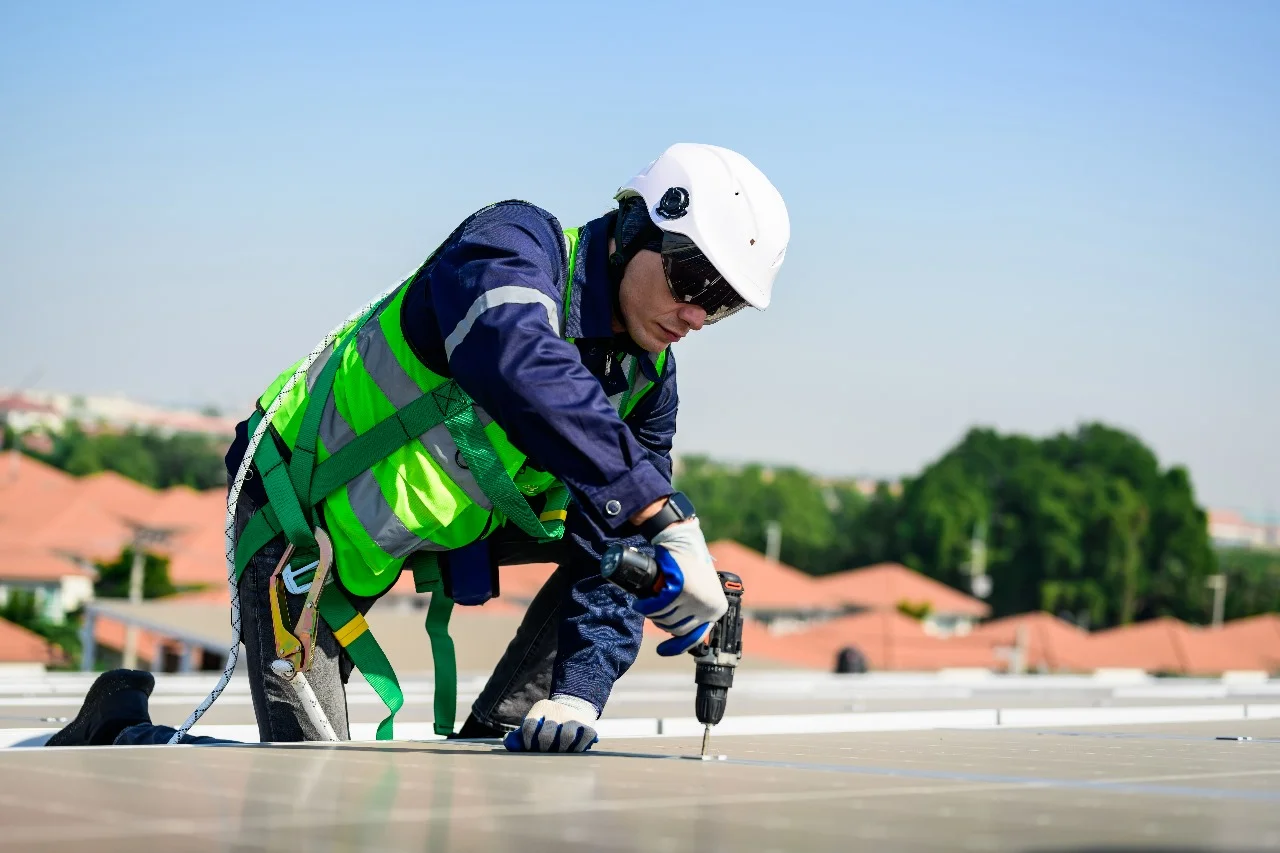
x,y
692,278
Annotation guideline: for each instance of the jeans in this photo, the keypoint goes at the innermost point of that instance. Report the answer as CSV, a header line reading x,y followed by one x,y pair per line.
x,y
521,678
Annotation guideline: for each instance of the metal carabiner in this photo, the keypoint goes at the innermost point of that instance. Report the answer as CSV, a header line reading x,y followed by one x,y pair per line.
x,y
305,630
291,575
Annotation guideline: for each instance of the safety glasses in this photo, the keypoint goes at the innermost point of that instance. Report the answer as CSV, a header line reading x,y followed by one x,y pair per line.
x,y
692,278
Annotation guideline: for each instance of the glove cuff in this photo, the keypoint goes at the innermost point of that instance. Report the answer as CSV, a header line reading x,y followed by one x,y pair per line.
x,y
581,705
677,531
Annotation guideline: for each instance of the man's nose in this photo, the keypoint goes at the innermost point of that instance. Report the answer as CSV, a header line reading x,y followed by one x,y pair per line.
x,y
692,315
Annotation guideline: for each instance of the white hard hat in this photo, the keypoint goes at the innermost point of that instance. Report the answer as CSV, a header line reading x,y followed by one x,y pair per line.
x,y
726,206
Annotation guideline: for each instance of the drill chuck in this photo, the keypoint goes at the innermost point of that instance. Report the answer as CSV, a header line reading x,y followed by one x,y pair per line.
x,y
714,681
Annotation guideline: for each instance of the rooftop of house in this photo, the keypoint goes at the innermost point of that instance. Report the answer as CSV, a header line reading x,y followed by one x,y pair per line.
x,y
19,645
1170,645
1051,643
886,585
768,585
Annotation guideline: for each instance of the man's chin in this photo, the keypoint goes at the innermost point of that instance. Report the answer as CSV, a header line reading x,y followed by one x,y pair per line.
x,y
646,341
653,346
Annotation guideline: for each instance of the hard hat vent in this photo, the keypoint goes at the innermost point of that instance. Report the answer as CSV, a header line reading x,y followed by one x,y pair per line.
x,y
674,203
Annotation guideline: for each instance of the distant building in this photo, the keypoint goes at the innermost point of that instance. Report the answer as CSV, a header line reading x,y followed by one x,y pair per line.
x,y
867,486
22,650
51,410
1232,529
890,586
60,585
55,527
21,413
781,597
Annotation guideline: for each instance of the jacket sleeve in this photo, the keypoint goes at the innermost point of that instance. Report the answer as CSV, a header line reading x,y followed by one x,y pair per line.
x,y
599,633
498,292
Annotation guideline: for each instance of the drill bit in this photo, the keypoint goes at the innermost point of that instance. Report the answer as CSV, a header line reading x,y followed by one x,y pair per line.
x,y
706,735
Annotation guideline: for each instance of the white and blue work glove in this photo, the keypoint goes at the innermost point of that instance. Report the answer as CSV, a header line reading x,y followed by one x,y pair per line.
x,y
557,724
692,599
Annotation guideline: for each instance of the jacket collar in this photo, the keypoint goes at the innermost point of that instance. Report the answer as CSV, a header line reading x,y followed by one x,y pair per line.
x,y
591,301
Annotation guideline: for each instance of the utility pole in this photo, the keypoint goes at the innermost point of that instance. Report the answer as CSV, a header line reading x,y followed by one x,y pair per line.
x,y
772,540
143,538
1218,583
979,581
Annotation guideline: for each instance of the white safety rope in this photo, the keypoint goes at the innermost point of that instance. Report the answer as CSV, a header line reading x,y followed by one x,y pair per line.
x,y
233,498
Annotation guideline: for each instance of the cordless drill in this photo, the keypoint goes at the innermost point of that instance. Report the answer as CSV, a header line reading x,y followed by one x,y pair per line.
x,y
640,575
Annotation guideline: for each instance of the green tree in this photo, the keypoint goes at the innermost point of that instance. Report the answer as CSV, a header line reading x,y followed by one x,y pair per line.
x,y
917,610
22,608
1084,523
187,460
740,503
113,578
147,457
1253,582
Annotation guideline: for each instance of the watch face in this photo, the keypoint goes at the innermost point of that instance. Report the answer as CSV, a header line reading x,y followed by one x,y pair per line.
x,y
683,505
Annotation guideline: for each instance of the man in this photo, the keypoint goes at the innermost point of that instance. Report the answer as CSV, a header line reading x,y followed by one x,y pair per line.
x,y
546,353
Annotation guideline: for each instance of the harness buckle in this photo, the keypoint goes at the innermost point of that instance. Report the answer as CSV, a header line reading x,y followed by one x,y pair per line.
x,y
291,576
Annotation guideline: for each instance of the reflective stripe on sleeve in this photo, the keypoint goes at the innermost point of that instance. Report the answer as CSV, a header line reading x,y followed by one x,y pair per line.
x,y
507,295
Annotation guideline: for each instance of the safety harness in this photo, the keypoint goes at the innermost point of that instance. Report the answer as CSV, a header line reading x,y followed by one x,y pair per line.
x,y
296,487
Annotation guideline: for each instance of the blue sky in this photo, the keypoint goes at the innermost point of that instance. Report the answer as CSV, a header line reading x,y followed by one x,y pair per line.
x,y
1017,215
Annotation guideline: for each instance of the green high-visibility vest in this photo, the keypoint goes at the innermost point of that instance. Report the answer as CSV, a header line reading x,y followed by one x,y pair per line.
x,y
403,465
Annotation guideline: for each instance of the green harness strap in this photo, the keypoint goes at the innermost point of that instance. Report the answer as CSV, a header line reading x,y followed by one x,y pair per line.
x,y
295,488
352,632
426,578
290,514
348,626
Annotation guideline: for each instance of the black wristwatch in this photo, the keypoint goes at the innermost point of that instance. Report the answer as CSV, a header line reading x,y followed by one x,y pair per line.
x,y
677,508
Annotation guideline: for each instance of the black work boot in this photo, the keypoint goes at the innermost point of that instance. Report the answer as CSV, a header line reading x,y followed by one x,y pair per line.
x,y
117,700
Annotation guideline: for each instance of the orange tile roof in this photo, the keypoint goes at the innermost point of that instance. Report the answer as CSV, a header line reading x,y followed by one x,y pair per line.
x,y
1153,645
124,498
18,469
893,641
187,509
30,491
1261,634
885,585
198,555
760,642
111,633
1224,516
1169,645
1208,652
19,645
83,527
36,564
45,510
1052,643
769,585
887,639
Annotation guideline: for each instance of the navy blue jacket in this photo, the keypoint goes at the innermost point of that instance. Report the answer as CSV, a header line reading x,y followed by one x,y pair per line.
x,y
487,309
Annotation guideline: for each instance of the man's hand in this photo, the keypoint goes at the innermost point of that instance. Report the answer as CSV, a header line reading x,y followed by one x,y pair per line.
x,y
693,598
555,725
